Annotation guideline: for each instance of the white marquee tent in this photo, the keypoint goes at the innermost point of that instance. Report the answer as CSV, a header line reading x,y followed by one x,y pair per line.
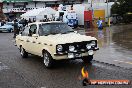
x,y
39,13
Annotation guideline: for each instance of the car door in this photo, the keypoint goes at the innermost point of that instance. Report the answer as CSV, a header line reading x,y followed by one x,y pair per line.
x,y
32,40
39,41
24,39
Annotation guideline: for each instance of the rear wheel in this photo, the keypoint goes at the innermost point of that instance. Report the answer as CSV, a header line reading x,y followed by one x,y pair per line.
x,y
47,59
24,54
87,59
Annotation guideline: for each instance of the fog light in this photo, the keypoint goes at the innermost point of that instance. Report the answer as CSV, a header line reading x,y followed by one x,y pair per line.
x,y
90,52
88,46
93,43
59,48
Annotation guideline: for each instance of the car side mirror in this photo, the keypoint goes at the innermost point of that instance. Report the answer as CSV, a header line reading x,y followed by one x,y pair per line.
x,y
35,35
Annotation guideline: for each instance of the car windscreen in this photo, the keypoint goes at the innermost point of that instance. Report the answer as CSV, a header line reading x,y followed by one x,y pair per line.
x,y
54,28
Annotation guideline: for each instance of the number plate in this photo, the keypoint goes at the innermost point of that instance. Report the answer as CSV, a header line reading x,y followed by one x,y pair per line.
x,y
74,55
78,55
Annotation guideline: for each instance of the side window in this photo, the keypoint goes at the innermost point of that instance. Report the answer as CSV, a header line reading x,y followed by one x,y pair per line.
x,y
26,31
44,29
33,29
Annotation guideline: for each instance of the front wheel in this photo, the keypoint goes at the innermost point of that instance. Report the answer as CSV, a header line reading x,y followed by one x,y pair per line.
x,y
24,54
47,59
87,59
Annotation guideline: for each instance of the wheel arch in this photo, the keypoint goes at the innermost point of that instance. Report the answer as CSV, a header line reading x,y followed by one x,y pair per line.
x,y
47,50
20,45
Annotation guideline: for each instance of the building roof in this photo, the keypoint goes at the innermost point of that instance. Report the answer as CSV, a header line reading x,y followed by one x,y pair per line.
x,y
45,22
39,12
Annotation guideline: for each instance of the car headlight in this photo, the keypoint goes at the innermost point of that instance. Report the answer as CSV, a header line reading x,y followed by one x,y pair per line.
x,y
93,43
88,46
71,48
59,48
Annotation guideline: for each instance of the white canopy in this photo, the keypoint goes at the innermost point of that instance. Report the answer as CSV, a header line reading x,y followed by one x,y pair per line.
x,y
39,13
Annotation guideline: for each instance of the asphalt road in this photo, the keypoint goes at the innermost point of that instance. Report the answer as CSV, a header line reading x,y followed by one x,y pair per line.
x,y
16,72
115,45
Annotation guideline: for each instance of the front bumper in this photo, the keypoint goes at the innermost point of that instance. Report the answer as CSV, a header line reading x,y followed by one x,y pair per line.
x,y
74,55
3,29
65,53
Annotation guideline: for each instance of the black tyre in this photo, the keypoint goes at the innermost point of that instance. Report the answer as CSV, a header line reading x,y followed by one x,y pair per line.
x,y
87,59
47,59
24,54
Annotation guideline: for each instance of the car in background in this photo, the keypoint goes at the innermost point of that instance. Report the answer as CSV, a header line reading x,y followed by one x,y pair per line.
x,y
19,25
55,41
7,28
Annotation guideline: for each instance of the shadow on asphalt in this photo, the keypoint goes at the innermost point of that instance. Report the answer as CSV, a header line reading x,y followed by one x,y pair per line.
x,y
60,63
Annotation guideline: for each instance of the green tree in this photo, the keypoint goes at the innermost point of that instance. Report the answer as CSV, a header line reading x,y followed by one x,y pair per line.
x,y
122,8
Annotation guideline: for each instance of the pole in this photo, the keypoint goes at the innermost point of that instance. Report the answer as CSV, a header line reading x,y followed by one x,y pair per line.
x,y
91,3
91,22
107,13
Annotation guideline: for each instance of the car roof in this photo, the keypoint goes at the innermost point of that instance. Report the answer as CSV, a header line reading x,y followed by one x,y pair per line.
x,y
45,22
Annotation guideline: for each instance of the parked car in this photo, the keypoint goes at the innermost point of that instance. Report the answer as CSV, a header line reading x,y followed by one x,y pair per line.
x,y
55,41
19,25
7,28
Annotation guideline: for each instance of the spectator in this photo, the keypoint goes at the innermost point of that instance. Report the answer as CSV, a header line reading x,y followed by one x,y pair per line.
x,y
16,29
99,23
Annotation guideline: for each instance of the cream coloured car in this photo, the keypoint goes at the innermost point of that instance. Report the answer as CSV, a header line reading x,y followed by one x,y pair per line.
x,y
55,41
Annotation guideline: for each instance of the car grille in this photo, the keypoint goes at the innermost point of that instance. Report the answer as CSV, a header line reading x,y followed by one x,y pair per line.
x,y
2,28
79,46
